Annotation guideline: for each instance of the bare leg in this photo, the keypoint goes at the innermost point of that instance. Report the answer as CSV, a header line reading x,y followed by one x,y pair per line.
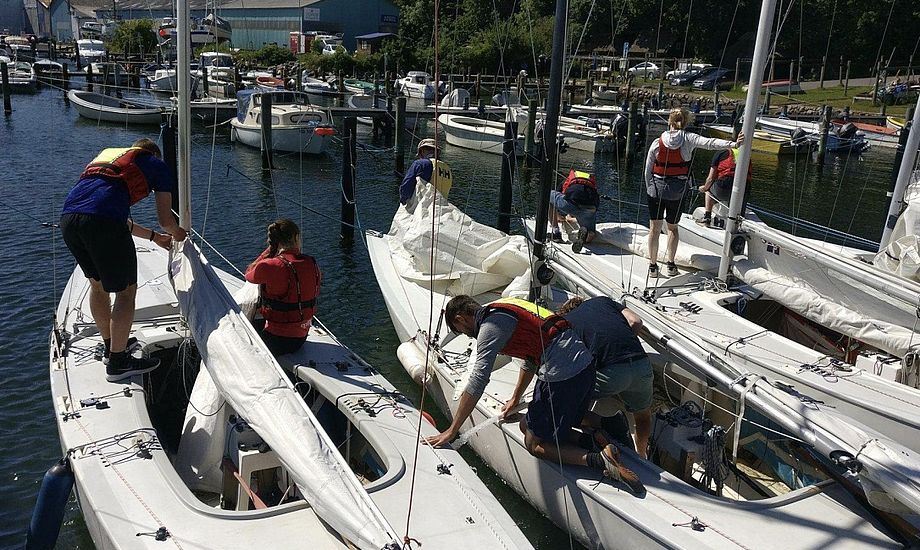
x,y
673,240
643,430
100,306
566,453
122,317
710,202
654,233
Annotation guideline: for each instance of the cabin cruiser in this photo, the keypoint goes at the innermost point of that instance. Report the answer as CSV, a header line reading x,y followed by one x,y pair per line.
x,y
208,30
21,75
90,50
419,85
297,126
220,71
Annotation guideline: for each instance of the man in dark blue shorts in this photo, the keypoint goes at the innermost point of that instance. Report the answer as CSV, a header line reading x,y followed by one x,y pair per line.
x,y
565,368
97,230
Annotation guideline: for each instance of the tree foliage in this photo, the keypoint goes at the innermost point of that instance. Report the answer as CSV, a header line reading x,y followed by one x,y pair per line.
x,y
135,36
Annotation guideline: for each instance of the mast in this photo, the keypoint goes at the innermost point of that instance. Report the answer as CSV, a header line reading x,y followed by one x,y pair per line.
x,y
184,113
550,127
761,48
900,186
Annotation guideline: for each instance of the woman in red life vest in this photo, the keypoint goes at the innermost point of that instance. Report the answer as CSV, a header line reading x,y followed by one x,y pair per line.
x,y
719,183
667,171
289,283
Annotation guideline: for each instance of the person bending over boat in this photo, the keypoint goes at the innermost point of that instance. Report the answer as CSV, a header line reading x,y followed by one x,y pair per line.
x,y
667,171
97,228
565,367
289,283
579,200
719,183
428,167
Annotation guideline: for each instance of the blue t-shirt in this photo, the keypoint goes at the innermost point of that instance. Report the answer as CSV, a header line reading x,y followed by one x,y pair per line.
x,y
109,198
419,168
600,323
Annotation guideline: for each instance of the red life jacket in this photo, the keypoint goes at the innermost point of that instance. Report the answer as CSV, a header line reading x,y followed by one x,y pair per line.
x,y
581,178
725,169
298,302
669,163
119,164
535,330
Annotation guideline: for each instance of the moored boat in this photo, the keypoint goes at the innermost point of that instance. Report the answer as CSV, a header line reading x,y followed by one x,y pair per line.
x,y
100,107
477,134
297,126
763,142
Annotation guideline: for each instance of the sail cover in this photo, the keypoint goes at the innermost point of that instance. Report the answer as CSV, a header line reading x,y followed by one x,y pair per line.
x,y
253,384
902,255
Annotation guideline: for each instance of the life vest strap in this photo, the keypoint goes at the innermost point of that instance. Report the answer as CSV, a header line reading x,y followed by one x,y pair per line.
x,y
278,305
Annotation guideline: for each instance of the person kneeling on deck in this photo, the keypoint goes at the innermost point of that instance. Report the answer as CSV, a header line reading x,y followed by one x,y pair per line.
x,y
719,183
667,171
610,330
97,229
429,168
580,200
289,283
566,373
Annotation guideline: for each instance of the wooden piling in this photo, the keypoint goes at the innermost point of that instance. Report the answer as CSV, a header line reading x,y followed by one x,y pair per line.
x,y
5,88
347,230
117,80
737,72
846,81
878,65
660,94
631,129
823,64
89,77
205,86
766,102
798,74
266,119
65,79
791,71
340,99
823,125
507,177
400,145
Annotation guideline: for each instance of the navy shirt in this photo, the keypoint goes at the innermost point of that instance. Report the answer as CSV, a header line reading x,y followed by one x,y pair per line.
x,y
419,168
109,198
600,323
582,195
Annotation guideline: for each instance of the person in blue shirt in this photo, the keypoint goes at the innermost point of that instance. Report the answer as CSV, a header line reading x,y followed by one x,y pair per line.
x,y
97,229
424,167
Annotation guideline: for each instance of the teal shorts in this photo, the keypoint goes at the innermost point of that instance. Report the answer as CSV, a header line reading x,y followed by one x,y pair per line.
x,y
630,380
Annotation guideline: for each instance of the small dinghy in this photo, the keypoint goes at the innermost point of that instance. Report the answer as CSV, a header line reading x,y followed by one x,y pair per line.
x,y
101,107
477,134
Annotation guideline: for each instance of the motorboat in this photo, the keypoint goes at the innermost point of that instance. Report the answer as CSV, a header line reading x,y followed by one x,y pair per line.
x,y
95,30
419,85
269,82
219,70
876,134
209,30
20,48
90,50
765,142
110,74
50,72
317,87
356,86
297,125
21,74
657,116
843,139
478,134
100,107
167,80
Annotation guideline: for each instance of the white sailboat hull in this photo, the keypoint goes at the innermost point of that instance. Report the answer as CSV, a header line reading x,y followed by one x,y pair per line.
x,y
99,107
477,134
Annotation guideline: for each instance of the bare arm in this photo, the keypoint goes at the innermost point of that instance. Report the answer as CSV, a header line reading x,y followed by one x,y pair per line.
x,y
650,161
165,216
464,409
709,179
524,378
635,323
138,230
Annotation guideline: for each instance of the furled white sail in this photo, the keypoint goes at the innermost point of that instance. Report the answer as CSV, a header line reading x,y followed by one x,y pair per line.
x,y
253,384
468,257
902,255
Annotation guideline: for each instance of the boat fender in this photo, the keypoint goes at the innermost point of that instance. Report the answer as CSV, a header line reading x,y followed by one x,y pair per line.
x,y
412,359
429,418
50,505
324,131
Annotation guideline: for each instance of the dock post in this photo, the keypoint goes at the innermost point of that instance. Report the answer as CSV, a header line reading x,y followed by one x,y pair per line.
x,y
348,180
507,175
840,72
65,79
878,76
660,94
823,64
631,129
117,79
376,91
89,77
478,84
798,73
766,102
481,107
791,71
529,136
643,124
824,126
205,87
298,77
5,84
737,72
715,100
340,100
266,106
589,89
400,134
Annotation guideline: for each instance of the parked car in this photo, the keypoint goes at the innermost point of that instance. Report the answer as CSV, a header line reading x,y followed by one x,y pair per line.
x,y
686,68
720,77
646,68
686,78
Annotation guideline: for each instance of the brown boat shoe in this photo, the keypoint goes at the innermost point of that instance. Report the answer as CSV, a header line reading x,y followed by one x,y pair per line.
x,y
618,472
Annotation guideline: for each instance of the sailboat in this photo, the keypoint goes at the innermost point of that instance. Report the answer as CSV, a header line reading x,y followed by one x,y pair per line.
x,y
219,449
419,267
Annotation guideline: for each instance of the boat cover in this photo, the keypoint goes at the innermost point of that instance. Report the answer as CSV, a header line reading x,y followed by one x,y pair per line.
x,y
468,257
902,256
254,385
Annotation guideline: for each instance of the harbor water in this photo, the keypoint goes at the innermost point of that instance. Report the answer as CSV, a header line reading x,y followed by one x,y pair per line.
x,y
44,146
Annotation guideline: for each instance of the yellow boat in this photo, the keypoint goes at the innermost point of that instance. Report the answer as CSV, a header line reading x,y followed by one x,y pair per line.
x,y
896,122
763,142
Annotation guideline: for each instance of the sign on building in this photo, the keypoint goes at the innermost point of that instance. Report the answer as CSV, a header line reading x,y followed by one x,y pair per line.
x,y
311,14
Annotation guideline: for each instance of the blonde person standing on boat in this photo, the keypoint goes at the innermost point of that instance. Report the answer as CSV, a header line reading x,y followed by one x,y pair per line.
x,y
428,167
667,173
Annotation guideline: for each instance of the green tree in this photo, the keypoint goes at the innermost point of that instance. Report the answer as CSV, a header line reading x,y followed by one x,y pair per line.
x,y
135,36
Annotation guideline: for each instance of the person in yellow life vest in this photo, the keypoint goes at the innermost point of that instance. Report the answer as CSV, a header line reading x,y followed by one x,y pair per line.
x,y
563,355
667,173
578,200
97,228
719,183
428,167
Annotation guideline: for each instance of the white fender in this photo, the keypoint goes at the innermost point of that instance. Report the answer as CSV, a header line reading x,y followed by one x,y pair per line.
x,y
413,360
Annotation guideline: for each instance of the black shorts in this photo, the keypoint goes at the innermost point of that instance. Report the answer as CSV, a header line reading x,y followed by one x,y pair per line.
x,y
557,407
103,248
669,211
278,345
